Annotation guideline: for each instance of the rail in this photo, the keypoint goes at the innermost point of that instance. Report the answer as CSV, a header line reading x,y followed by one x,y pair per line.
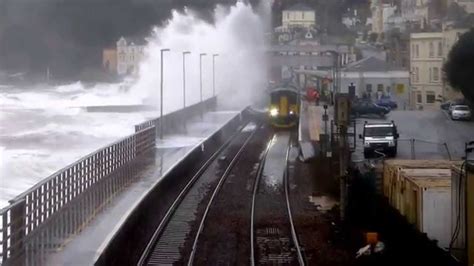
x,y
35,207
214,193
175,205
294,236
258,175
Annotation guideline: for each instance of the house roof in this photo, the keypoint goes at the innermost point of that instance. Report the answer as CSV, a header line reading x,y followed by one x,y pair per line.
x,y
135,40
299,7
370,64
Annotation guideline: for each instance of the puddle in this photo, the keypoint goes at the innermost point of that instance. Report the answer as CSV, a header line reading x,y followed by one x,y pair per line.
x,y
323,203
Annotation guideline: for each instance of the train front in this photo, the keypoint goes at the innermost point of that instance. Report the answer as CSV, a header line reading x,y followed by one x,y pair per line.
x,y
284,107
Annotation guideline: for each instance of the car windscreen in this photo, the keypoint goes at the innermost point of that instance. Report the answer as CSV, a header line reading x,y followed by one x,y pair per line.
x,y
378,131
461,108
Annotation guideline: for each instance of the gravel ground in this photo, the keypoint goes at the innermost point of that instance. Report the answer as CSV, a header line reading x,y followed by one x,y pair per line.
x,y
200,192
322,236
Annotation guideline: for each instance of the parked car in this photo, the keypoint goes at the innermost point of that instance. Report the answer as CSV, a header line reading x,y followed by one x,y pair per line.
x,y
387,102
365,108
459,112
445,106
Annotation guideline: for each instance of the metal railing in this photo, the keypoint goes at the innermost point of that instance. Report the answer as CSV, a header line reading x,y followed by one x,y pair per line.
x,y
183,114
34,208
423,149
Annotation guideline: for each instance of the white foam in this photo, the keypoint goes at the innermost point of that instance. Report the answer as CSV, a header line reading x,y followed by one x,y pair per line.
x,y
44,128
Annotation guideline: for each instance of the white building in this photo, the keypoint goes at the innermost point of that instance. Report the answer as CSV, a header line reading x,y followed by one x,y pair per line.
x,y
408,10
350,19
381,14
129,55
426,63
428,52
299,15
375,77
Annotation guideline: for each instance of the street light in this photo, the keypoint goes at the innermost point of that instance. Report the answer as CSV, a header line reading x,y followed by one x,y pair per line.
x,y
184,77
161,93
214,75
336,83
200,74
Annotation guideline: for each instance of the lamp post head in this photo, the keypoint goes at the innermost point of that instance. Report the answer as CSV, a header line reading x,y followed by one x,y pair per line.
x,y
186,52
164,50
214,55
202,54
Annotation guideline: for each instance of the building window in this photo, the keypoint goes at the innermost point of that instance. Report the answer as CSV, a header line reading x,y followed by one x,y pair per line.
x,y
431,74
416,50
430,97
440,49
418,97
431,49
435,74
379,87
415,73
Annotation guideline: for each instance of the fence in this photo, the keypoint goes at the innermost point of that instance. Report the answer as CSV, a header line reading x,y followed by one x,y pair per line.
x,y
422,149
170,120
33,209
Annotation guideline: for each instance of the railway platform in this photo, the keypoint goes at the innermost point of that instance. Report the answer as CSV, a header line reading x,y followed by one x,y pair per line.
x,y
310,129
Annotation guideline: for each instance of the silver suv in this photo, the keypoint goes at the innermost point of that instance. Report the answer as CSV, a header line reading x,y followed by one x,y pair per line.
x,y
459,112
381,137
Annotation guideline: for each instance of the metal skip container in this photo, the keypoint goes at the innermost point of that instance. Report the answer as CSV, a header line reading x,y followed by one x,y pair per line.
x,y
392,179
426,203
421,191
458,214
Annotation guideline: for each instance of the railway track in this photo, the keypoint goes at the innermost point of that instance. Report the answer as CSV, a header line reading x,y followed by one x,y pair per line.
x,y
273,236
168,244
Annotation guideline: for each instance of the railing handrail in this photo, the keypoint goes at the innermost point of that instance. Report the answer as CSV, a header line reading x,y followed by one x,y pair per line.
x,y
83,158
150,122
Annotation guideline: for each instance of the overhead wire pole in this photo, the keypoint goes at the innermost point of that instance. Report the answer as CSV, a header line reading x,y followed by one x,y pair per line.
x,y
214,74
200,80
336,75
184,89
184,77
161,93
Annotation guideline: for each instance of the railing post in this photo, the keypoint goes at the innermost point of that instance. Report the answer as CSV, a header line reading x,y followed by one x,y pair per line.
x,y
4,236
413,156
447,150
17,229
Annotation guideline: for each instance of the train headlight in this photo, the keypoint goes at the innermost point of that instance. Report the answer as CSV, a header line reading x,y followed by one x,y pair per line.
x,y
291,112
273,112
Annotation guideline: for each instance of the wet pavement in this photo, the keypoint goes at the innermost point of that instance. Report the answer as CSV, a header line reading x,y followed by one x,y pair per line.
x,y
430,129
274,243
83,248
275,164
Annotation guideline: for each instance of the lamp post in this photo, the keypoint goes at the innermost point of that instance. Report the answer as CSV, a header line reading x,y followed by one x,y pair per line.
x,y
200,75
161,93
336,82
214,75
184,77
